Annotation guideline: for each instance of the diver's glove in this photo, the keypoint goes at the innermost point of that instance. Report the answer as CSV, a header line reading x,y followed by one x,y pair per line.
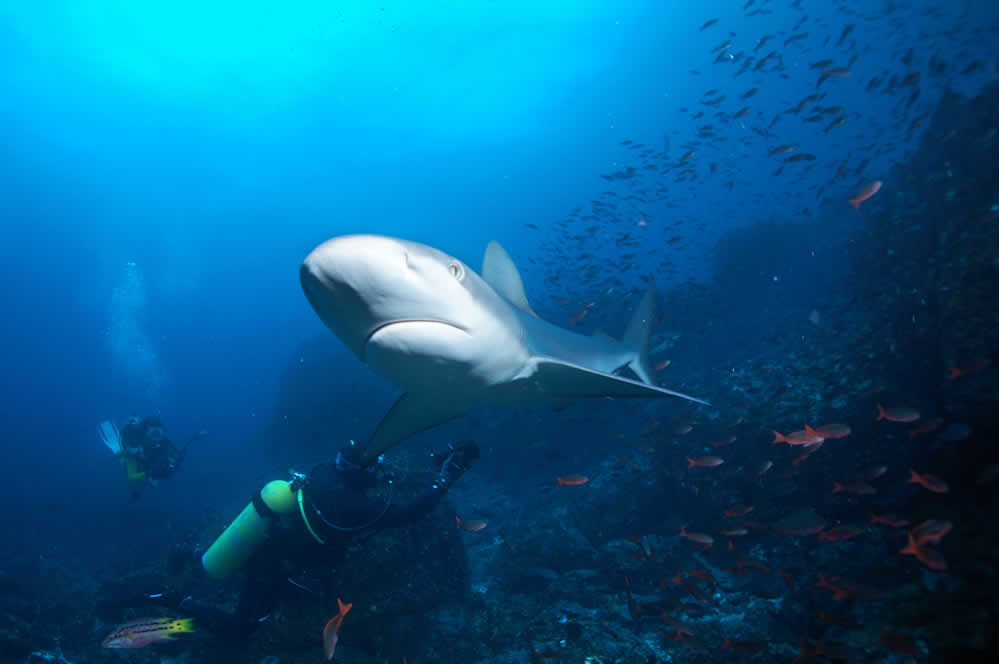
x,y
455,461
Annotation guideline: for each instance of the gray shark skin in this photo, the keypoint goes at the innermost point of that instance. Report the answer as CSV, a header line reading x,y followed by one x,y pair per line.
x,y
452,339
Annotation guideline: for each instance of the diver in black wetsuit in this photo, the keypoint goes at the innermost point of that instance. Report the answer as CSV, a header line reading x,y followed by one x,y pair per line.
x,y
309,523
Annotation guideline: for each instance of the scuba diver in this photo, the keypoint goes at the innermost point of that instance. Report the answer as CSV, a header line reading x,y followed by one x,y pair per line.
x,y
308,523
144,451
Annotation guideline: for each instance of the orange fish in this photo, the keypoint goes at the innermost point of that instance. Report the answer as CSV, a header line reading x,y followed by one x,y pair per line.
x,y
956,372
700,538
797,438
662,365
471,525
889,520
858,488
926,427
900,414
809,450
725,442
572,480
704,575
929,557
738,510
683,428
840,533
930,531
330,636
865,192
696,592
843,589
831,431
705,461
934,484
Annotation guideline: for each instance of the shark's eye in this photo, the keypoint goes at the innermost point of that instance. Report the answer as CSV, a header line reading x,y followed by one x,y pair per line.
x,y
456,270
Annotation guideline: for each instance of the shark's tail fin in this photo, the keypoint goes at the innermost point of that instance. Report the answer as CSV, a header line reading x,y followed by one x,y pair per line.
x,y
639,333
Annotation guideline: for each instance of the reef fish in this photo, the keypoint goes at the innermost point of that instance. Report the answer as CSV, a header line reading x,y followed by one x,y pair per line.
x,y
140,633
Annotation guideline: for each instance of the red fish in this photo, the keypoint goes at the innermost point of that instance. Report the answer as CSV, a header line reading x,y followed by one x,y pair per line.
x,y
840,533
865,192
662,365
931,482
471,525
900,414
831,431
843,589
808,450
738,510
575,318
929,557
930,531
954,373
889,520
695,592
704,575
724,442
926,427
572,480
858,488
330,636
705,461
699,538
796,438
140,633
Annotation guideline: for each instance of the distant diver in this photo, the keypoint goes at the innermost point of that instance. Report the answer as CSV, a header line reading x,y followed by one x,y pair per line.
x,y
146,454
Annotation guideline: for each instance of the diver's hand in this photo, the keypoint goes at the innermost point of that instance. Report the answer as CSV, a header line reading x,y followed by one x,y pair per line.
x,y
456,461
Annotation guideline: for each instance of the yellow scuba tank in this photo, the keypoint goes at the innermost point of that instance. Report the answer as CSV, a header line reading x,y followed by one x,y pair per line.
x,y
133,475
248,530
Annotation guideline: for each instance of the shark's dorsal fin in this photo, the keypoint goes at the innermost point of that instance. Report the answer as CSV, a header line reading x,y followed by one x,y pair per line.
x,y
499,272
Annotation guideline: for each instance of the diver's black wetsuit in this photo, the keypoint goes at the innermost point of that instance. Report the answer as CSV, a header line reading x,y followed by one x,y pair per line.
x,y
157,456
337,513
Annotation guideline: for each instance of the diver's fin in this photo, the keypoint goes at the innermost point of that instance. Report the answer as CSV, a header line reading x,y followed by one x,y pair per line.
x,y
411,414
499,271
110,435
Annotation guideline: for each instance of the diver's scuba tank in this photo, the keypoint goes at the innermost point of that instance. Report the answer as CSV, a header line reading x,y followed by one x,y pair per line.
x,y
253,525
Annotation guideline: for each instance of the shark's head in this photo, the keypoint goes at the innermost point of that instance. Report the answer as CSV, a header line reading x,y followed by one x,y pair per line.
x,y
414,314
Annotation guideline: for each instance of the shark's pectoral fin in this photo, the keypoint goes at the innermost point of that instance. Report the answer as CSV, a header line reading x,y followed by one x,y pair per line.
x,y
411,414
559,381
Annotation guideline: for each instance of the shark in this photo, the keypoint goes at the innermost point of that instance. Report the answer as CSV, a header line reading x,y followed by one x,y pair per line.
x,y
452,338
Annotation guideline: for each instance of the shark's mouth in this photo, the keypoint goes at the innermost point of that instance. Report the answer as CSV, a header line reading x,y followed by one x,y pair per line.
x,y
421,329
